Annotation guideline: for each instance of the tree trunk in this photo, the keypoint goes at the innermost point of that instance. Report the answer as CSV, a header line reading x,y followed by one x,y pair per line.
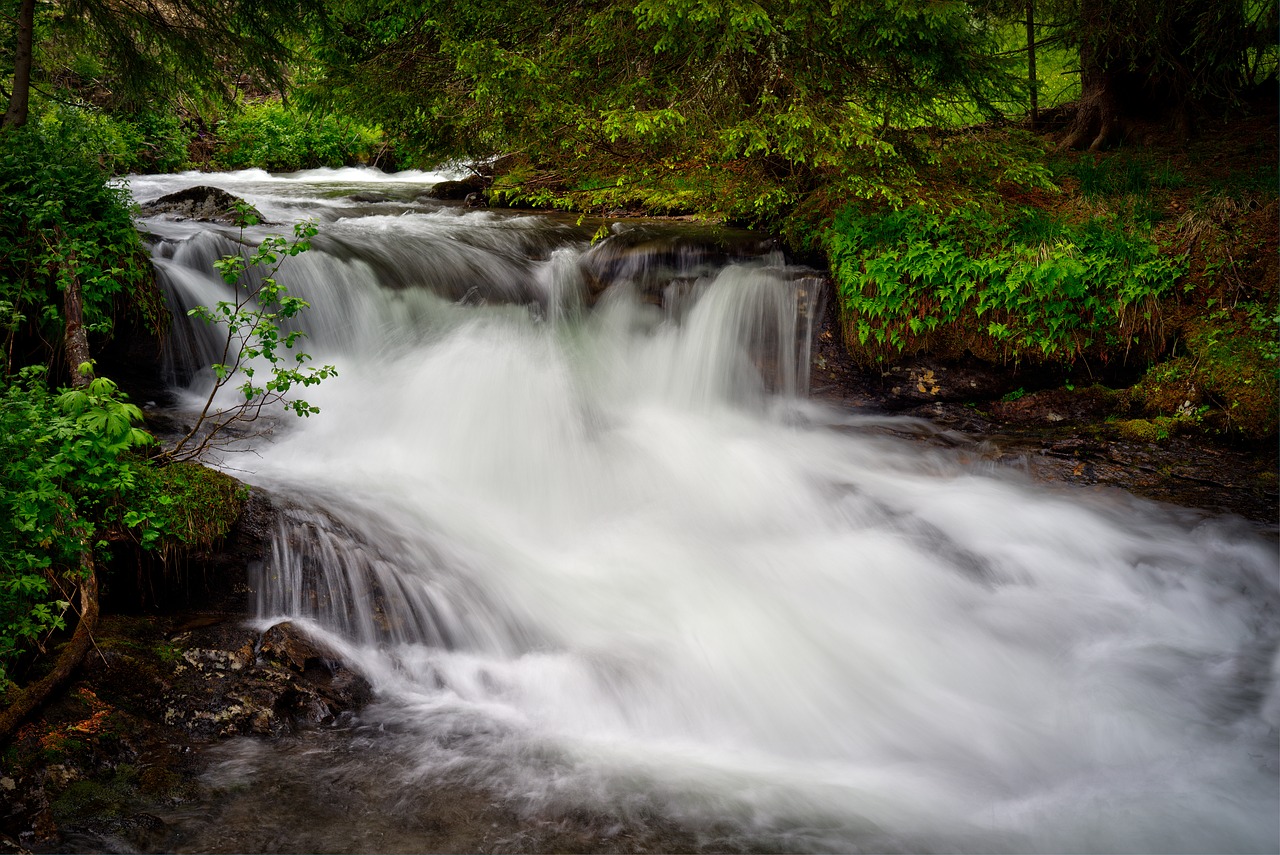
x,y
30,698
76,341
1098,121
19,100
1031,63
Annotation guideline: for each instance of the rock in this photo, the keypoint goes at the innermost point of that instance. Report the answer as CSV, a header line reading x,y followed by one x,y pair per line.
x,y
231,681
917,380
457,190
369,197
202,203
1056,405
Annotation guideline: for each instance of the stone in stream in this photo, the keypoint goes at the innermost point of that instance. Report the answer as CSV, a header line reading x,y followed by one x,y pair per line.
x,y
202,203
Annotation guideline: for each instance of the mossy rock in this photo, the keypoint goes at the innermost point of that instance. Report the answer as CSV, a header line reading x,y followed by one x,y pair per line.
x,y
1158,429
1226,380
188,505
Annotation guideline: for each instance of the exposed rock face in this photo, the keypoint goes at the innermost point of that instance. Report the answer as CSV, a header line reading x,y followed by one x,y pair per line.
x,y
205,204
231,681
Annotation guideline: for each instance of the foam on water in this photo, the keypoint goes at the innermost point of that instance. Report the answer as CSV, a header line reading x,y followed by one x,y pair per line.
x,y
611,558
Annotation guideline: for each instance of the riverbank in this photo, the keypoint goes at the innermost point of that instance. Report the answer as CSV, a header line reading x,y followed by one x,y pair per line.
x,y
88,767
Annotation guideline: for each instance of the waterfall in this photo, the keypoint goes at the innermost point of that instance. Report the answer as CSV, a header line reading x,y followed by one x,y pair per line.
x,y
568,507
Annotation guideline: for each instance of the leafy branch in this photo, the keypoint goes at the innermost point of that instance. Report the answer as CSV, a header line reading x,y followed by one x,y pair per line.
x,y
256,347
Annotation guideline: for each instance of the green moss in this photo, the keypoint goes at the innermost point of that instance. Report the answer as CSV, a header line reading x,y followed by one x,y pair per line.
x,y
1148,430
1227,379
1236,363
110,798
184,505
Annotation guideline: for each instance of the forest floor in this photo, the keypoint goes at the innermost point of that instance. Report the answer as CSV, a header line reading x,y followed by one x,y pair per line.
x,y
1197,425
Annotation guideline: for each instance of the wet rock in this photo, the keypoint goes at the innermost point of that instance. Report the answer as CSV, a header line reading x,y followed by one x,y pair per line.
x,y
457,190
232,681
369,197
1051,406
916,381
202,203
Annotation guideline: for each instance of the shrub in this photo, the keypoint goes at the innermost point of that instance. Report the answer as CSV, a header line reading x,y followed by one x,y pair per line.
x,y
60,219
1015,287
64,466
273,136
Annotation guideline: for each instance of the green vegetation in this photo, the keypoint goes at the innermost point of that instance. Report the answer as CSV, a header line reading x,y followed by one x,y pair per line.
x,y
879,132
60,221
278,137
737,109
182,504
67,469
999,287
253,324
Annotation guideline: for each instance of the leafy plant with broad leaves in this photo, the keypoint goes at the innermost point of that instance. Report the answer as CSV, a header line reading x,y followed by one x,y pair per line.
x,y
257,347
1022,285
65,470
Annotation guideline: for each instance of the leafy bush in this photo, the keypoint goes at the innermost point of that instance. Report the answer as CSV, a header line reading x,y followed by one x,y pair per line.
x,y
120,143
159,143
1024,286
59,220
273,136
64,468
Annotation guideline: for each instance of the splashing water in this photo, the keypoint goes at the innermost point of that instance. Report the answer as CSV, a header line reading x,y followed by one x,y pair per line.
x,y
597,552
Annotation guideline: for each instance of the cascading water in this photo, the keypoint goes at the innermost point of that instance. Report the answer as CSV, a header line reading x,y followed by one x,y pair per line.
x,y
568,508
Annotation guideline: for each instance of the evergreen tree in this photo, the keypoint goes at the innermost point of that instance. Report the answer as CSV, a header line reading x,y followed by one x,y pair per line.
x,y
124,54
774,92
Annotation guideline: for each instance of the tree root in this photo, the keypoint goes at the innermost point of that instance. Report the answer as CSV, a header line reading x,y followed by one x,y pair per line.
x,y
33,696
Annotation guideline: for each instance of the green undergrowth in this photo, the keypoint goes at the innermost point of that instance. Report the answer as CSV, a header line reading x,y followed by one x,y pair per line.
x,y
75,479
1224,375
278,137
143,142
62,223
183,505
1004,285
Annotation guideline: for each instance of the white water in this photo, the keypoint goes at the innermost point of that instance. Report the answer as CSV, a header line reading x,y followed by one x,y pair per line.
x,y
610,558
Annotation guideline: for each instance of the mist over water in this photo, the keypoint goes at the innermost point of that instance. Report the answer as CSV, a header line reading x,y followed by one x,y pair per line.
x,y
597,552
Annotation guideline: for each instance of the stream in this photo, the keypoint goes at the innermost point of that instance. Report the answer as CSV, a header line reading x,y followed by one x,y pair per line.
x,y
612,573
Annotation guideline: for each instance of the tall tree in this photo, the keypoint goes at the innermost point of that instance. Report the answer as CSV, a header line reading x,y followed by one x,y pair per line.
x,y
1162,59
780,89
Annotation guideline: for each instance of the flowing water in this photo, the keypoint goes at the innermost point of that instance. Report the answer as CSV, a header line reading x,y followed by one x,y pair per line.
x,y
569,509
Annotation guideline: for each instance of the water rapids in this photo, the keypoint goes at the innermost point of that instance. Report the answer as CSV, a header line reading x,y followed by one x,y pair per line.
x,y
569,509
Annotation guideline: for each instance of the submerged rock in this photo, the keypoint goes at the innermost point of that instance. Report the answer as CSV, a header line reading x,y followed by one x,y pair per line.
x,y
202,203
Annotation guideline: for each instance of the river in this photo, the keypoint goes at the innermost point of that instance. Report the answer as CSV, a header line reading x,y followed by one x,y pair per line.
x,y
569,508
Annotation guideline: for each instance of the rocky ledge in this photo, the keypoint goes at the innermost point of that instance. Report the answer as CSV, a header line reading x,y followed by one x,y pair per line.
x,y
124,743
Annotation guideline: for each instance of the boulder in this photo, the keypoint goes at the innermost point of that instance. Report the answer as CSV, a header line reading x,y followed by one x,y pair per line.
x,y
228,681
457,190
202,203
